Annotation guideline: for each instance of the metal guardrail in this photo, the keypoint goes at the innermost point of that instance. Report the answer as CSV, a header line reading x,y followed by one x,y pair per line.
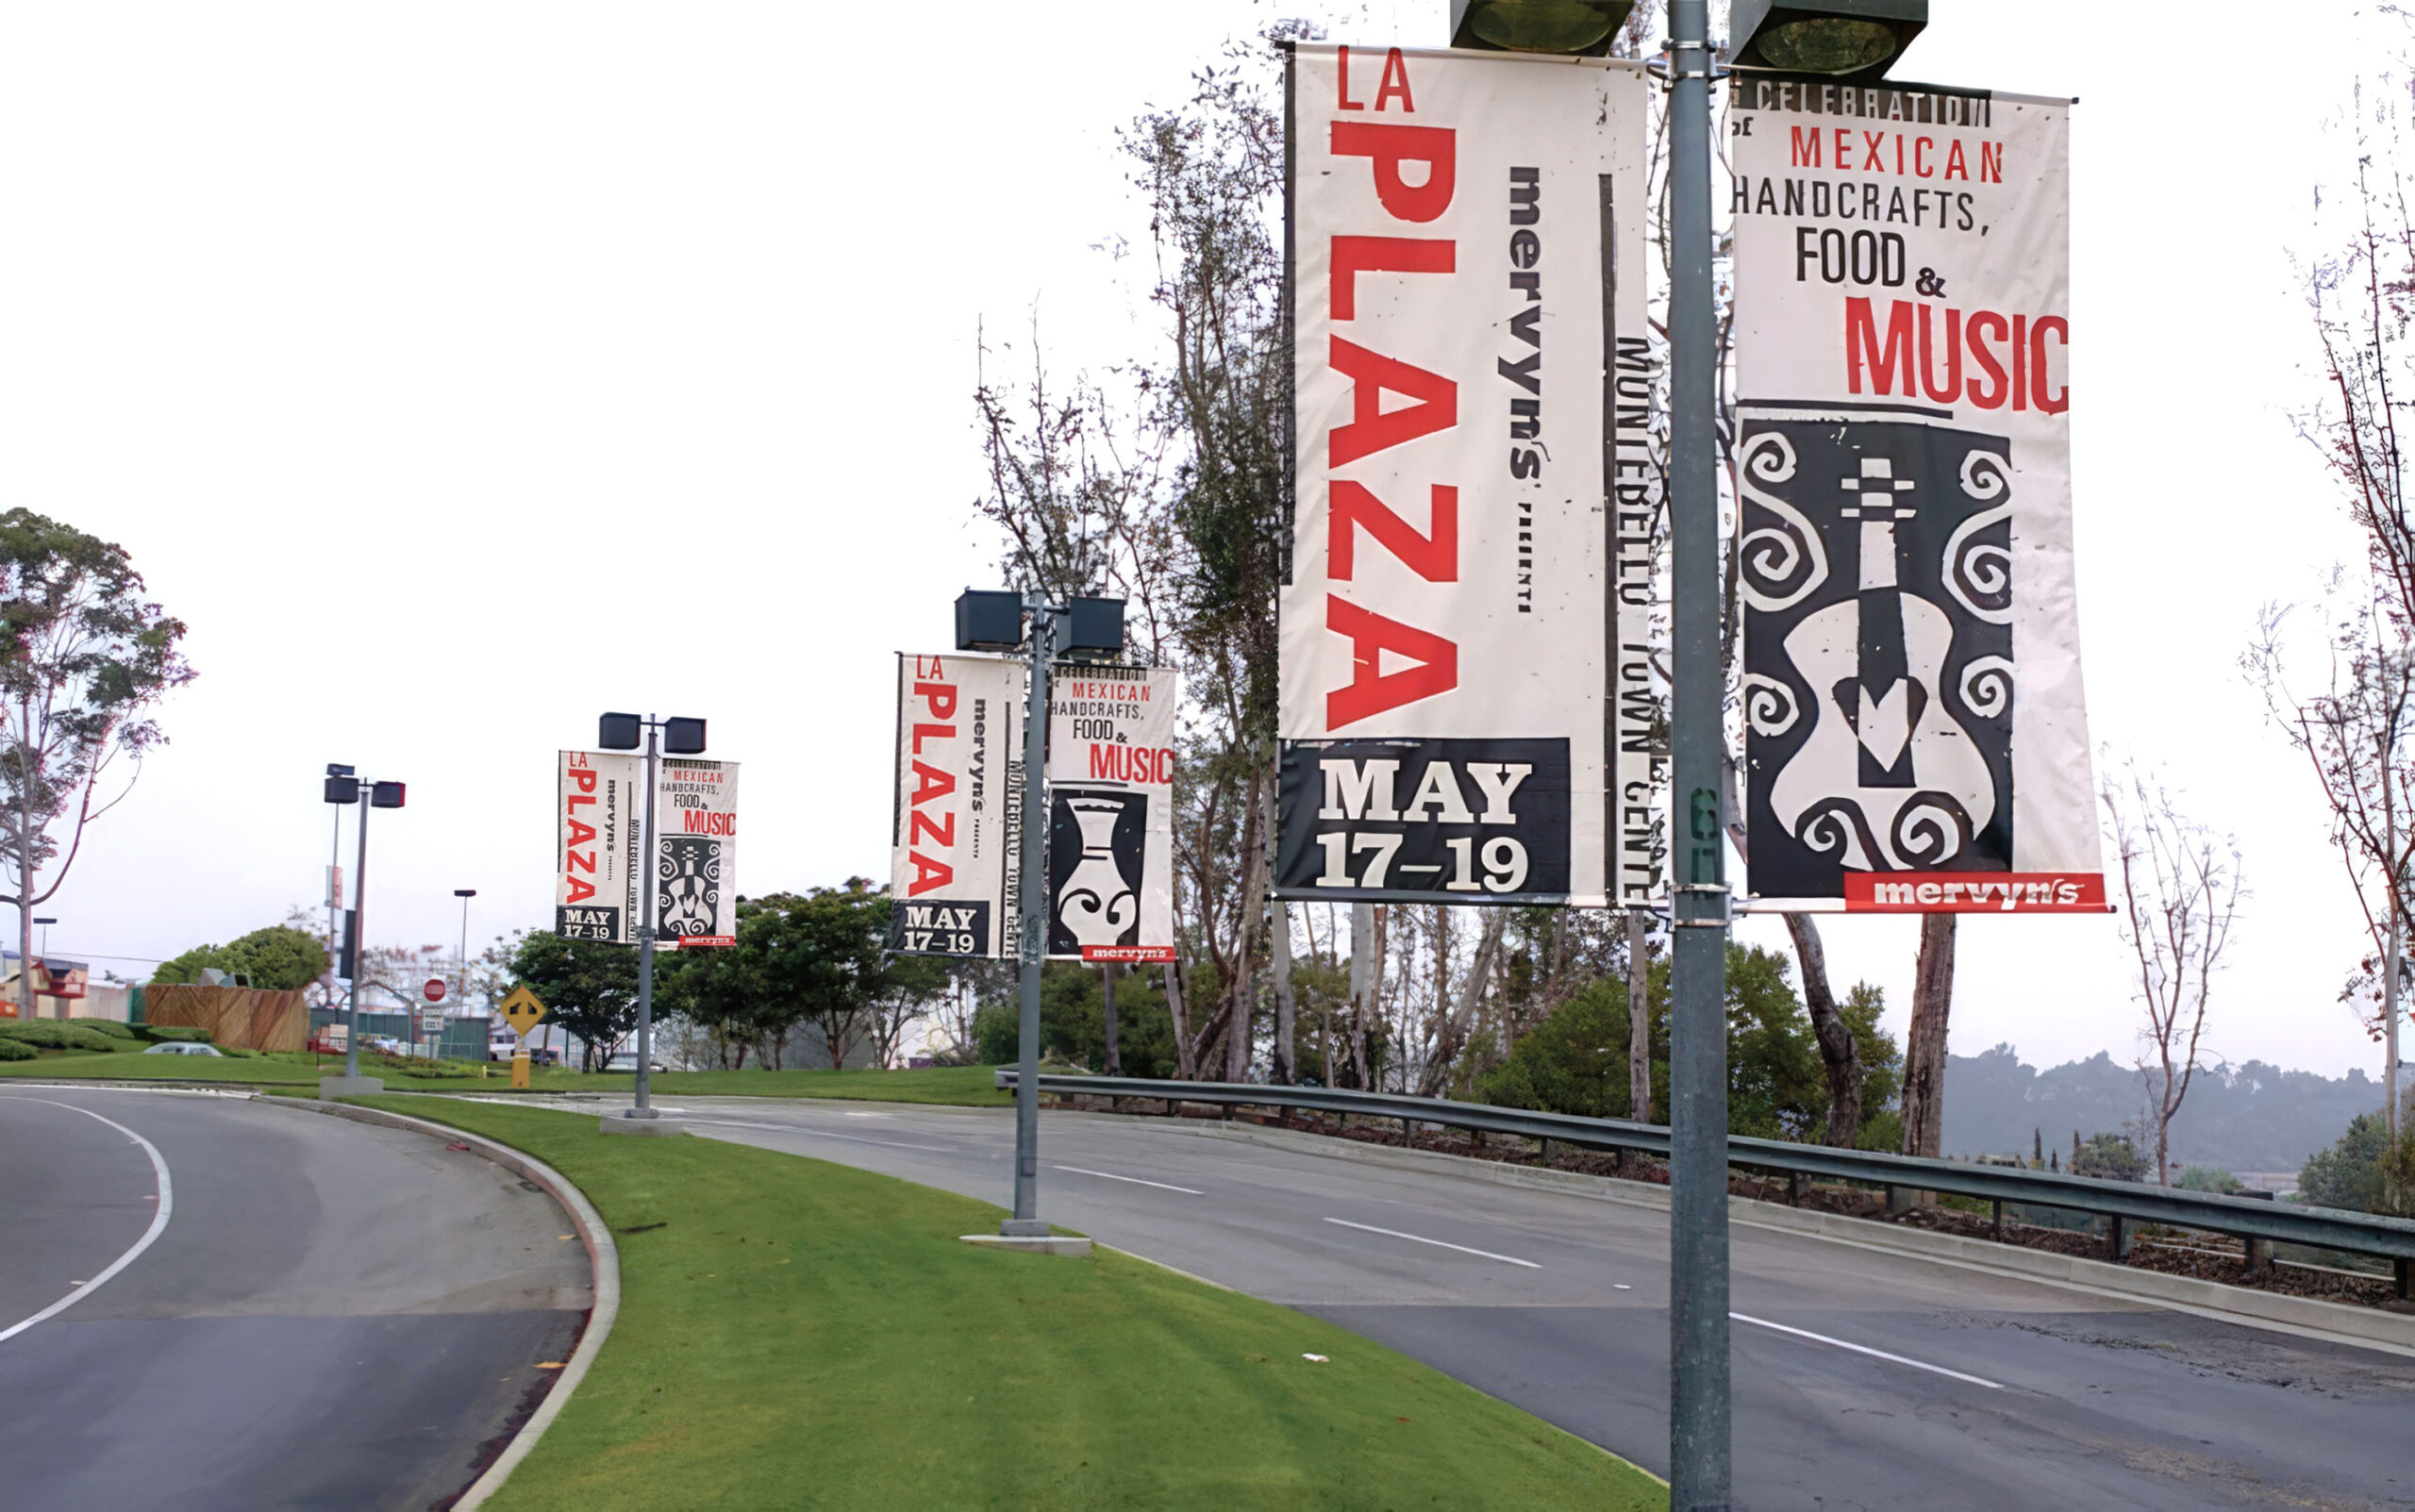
x,y
2126,1203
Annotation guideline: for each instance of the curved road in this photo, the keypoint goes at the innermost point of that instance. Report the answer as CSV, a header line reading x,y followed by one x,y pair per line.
x,y
1863,1378
332,1315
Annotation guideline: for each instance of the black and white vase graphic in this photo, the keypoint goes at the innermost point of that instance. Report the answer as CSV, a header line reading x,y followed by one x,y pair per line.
x,y
1877,571
1096,840
687,886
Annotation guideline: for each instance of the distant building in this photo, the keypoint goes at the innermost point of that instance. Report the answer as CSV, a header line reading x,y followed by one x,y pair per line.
x,y
62,989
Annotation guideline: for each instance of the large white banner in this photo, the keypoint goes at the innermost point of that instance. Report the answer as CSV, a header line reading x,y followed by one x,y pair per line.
x,y
599,810
695,843
1110,820
1916,735
1474,385
956,825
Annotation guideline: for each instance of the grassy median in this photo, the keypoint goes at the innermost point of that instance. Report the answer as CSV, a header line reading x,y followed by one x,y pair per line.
x,y
796,1334
963,1085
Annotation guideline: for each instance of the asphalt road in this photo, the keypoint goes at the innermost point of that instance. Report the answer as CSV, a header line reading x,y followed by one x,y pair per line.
x,y
331,1315
1862,1379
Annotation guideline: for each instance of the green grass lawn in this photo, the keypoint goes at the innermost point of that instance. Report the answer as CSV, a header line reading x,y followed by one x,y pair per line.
x,y
796,1334
967,1086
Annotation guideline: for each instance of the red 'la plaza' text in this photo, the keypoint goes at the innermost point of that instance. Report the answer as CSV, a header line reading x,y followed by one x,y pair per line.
x,y
578,844
937,823
1389,148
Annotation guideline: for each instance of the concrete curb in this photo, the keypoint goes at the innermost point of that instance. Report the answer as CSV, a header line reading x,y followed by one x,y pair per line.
x,y
603,1258
2306,1317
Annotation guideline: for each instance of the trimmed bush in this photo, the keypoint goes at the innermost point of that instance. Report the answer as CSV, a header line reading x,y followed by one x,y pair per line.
x,y
162,1034
17,1049
51,1034
110,1027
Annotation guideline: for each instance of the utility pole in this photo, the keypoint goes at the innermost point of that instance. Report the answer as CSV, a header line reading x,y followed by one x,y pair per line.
x,y
1700,1463
1032,947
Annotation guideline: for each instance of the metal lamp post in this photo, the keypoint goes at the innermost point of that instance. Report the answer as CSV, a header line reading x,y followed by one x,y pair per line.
x,y
465,894
1004,621
1836,39
676,737
349,789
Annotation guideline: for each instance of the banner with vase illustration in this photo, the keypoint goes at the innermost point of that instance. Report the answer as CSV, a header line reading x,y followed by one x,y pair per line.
x,y
1916,735
1111,812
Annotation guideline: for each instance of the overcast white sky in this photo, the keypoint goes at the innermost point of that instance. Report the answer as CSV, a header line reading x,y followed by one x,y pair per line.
x,y
458,371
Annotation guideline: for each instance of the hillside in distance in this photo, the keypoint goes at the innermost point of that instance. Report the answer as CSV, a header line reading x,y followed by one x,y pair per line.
x,y
2247,1117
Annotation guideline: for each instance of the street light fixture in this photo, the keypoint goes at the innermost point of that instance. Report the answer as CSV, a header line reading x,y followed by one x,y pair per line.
x,y
1852,40
995,621
1580,27
344,787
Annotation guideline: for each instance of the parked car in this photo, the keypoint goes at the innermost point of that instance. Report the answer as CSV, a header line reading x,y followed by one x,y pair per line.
x,y
627,1060
185,1047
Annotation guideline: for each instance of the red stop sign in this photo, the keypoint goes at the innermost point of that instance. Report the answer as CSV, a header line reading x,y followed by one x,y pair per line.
x,y
435,989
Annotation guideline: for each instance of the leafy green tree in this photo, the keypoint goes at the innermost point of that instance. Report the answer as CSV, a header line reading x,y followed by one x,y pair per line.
x,y
2361,1173
2111,1156
187,967
280,957
88,655
1073,1022
587,988
2208,1178
1575,1061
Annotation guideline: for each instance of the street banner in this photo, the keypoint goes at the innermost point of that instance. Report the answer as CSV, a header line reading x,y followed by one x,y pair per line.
x,y
1475,485
599,806
1111,812
695,843
1916,739
956,826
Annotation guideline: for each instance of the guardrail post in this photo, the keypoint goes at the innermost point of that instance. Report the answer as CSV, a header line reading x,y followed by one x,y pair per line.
x,y
1999,1220
2259,1256
1618,1160
2406,1278
1897,1201
1794,1189
1546,1151
1407,1131
2122,1237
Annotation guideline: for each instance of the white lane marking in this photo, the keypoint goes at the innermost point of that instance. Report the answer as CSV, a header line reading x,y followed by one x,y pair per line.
x,y
1082,1170
824,1133
166,1198
1394,1233
1864,1349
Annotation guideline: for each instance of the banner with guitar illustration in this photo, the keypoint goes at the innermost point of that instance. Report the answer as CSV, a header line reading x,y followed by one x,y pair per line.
x,y
1916,737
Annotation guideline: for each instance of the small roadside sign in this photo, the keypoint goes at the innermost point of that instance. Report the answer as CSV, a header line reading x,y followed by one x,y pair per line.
x,y
522,1011
435,989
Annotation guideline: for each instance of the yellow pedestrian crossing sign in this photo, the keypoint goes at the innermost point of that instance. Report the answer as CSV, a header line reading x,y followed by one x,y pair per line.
x,y
522,1012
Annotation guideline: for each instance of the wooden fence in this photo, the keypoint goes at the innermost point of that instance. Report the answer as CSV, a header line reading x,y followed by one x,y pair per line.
x,y
247,1018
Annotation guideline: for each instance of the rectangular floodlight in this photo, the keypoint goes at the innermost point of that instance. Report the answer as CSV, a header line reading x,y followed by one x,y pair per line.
x,y
683,737
619,732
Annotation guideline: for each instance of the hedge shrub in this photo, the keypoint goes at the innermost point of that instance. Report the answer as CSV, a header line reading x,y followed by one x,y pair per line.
x,y
17,1049
159,1034
110,1027
53,1034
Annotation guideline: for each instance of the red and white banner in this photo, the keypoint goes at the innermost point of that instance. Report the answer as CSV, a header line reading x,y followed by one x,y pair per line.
x,y
1110,811
599,811
1473,396
1916,733
957,829
696,848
